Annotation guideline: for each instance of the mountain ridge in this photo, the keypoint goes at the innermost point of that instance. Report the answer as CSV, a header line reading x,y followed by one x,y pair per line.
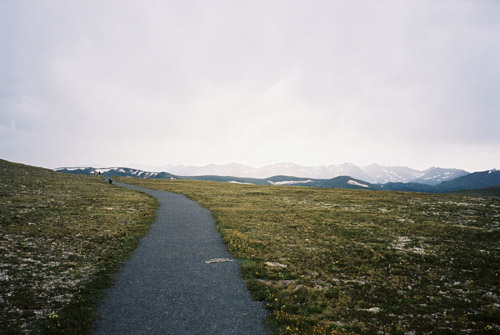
x,y
476,180
116,171
373,173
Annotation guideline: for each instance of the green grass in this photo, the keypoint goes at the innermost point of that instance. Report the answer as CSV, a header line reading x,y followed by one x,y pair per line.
x,y
61,238
332,261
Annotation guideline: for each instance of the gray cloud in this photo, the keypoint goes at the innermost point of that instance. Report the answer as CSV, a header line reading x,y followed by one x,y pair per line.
x,y
193,82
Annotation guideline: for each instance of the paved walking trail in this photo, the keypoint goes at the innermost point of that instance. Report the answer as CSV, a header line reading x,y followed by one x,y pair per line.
x,y
168,288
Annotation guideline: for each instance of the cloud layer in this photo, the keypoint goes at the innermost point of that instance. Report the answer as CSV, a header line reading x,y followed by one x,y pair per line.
x,y
257,82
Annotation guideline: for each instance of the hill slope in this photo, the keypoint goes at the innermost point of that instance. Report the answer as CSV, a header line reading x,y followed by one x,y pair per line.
x,y
60,237
476,180
346,182
471,181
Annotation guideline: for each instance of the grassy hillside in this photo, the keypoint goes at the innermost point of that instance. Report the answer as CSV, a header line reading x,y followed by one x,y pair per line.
x,y
331,261
61,236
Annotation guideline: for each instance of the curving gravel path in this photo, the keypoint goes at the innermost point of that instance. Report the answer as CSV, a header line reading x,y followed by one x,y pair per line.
x,y
176,282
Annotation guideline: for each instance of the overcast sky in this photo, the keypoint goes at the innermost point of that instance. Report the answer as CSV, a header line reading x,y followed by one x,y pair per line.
x,y
118,83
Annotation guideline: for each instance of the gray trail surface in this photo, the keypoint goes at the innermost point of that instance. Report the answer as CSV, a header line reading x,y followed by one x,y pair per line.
x,y
168,288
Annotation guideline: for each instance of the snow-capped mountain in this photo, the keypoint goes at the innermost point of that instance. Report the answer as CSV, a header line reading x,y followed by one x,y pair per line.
x,y
386,174
232,169
374,173
435,175
116,171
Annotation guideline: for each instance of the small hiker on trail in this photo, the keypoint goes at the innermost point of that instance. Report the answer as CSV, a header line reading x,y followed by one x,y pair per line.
x,y
110,180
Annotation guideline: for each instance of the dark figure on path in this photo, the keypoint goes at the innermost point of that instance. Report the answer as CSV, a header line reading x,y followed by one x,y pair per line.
x,y
110,181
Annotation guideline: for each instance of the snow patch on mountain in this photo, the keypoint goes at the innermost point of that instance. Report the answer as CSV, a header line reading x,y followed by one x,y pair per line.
x,y
355,183
374,173
71,169
289,182
435,175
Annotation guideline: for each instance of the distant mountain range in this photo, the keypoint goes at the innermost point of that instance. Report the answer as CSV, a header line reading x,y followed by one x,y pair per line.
x,y
374,173
433,180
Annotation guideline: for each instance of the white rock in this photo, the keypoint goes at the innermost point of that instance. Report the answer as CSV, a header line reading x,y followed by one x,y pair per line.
x,y
373,310
218,260
275,265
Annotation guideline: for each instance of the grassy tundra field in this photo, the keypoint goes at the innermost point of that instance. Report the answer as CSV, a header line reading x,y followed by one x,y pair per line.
x,y
332,261
60,238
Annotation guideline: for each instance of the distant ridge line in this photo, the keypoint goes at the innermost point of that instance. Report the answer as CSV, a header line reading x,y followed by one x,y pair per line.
x,y
373,173
429,182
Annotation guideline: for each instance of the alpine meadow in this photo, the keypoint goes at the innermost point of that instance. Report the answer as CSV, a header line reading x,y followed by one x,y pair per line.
x,y
337,261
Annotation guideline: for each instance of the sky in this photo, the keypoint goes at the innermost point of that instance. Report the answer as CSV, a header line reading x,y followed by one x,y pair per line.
x,y
152,83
